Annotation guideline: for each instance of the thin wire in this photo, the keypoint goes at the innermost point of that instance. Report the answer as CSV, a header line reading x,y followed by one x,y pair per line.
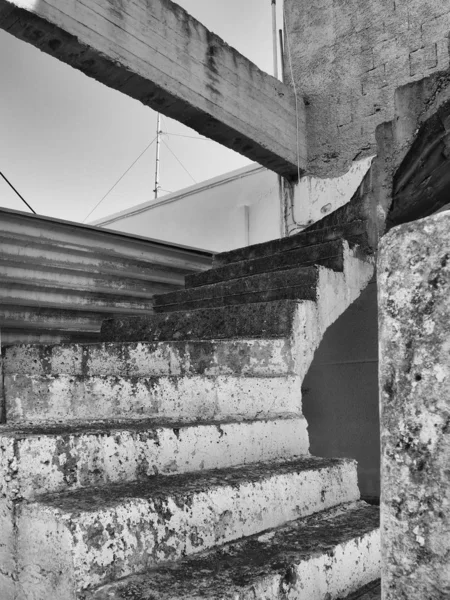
x,y
191,137
176,157
20,196
119,180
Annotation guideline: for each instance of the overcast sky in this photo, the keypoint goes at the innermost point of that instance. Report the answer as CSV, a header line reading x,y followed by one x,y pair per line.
x,y
66,139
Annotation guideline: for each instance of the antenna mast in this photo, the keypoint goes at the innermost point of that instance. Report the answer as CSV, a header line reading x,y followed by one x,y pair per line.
x,y
158,146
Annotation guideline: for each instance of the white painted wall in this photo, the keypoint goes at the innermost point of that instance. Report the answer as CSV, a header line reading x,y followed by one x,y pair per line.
x,y
237,209
314,198
212,215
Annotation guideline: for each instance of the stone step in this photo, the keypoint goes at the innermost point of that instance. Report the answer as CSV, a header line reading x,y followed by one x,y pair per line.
x,y
328,254
260,320
354,232
54,458
296,283
65,398
258,357
73,541
326,556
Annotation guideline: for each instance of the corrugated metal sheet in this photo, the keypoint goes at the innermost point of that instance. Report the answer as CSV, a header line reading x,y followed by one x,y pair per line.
x,y
59,280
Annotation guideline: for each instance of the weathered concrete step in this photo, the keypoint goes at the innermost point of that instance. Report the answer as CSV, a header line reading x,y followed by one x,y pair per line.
x,y
354,232
271,357
70,542
328,254
259,320
322,557
299,282
54,458
64,398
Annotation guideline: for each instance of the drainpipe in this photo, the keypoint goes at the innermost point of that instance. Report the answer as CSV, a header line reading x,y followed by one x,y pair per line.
x,y
275,38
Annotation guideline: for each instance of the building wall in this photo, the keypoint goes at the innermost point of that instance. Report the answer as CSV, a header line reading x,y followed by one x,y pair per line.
x,y
340,392
348,57
231,211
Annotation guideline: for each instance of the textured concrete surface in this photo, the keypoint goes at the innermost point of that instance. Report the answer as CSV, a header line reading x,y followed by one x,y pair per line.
x,y
328,254
295,283
54,458
88,537
260,357
324,556
348,58
136,49
414,286
64,398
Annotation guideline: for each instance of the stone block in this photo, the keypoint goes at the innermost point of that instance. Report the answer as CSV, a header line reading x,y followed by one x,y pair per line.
x,y
423,60
414,333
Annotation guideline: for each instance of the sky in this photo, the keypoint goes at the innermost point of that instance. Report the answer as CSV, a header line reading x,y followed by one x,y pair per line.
x,y
66,139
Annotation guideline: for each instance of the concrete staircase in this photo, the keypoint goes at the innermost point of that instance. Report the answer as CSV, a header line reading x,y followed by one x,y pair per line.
x,y
171,461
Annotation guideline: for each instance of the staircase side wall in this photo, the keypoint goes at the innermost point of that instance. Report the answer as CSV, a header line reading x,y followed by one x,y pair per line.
x,y
340,392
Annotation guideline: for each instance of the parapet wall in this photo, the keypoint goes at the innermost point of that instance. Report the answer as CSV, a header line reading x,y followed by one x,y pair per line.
x,y
348,57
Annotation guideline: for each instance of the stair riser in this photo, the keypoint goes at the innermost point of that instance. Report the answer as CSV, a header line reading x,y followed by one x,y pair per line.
x,y
35,399
210,358
52,463
264,320
268,295
328,255
303,277
108,544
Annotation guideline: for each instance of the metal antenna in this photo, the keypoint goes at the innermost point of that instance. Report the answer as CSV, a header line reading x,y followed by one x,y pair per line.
x,y
275,38
158,146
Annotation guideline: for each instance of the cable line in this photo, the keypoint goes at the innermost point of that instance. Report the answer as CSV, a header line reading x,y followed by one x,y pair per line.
x,y
176,157
191,137
21,197
119,180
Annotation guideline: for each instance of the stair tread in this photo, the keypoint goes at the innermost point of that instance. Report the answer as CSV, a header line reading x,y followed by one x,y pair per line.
x,y
19,431
303,239
328,254
237,567
90,499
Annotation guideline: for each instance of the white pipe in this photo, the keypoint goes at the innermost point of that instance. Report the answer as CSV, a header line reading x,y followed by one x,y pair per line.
x,y
275,38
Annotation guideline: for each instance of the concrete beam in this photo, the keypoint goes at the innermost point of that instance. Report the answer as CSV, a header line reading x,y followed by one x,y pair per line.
x,y
158,54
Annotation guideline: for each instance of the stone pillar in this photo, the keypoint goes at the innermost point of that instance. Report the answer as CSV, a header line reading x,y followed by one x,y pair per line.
x,y
414,372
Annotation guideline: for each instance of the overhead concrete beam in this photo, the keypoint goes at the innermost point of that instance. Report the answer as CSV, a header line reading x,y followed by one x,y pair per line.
x,y
158,54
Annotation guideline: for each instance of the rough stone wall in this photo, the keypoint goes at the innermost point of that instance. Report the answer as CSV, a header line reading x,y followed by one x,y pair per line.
x,y
414,334
348,57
